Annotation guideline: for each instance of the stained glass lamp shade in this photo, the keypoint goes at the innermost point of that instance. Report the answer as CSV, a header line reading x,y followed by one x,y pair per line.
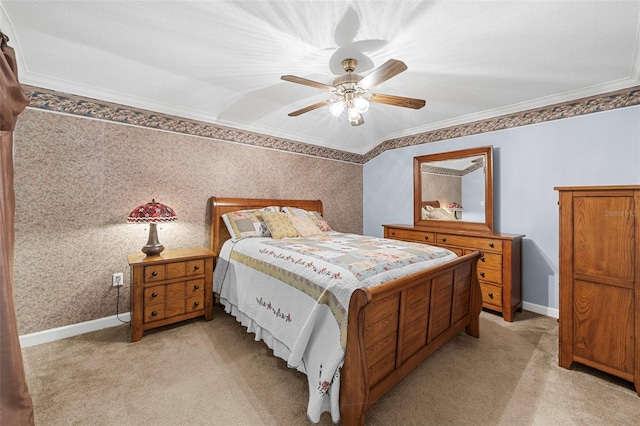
x,y
152,213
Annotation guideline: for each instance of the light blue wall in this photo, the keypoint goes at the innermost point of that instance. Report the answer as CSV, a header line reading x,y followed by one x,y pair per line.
x,y
529,161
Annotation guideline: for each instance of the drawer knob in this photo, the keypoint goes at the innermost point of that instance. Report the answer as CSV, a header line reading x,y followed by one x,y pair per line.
x,y
444,240
154,274
196,303
195,287
196,267
482,259
426,237
154,313
154,294
491,245
482,274
490,295
393,233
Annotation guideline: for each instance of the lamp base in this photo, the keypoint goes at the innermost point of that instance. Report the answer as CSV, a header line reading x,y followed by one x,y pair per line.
x,y
153,246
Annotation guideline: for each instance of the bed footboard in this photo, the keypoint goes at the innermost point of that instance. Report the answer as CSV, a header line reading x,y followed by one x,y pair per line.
x,y
395,326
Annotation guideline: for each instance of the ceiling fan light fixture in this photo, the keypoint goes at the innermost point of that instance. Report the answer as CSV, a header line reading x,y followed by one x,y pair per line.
x,y
353,114
337,107
361,104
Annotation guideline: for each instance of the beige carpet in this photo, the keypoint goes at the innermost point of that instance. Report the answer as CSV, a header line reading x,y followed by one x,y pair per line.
x,y
214,373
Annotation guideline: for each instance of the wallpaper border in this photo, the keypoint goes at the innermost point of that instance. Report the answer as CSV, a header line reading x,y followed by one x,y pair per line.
x,y
86,107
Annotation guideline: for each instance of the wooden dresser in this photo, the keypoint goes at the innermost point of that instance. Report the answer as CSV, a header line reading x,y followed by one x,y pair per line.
x,y
599,277
499,268
174,286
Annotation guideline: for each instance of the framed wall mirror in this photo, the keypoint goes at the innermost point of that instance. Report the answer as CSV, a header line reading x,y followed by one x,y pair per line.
x,y
454,190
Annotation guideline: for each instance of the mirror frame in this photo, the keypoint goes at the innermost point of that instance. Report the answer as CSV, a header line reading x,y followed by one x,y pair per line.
x,y
461,225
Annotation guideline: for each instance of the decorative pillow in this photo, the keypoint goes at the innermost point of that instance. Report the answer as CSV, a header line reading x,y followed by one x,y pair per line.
x,y
315,216
305,226
247,223
279,225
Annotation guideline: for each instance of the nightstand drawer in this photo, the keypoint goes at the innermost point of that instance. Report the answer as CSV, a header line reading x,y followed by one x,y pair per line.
x,y
195,267
154,313
154,295
175,291
154,273
195,303
174,307
194,287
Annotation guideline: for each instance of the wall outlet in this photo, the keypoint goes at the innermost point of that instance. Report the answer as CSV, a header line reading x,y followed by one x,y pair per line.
x,y
117,279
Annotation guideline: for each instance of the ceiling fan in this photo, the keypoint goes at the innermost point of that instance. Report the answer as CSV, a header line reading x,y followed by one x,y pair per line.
x,y
353,91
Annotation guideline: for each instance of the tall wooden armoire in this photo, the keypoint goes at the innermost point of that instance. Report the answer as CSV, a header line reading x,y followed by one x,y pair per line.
x,y
599,279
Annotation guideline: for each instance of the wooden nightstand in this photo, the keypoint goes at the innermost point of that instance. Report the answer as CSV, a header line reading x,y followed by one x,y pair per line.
x,y
174,286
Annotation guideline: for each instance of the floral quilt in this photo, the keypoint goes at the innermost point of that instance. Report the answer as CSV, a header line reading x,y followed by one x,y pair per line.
x,y
294,294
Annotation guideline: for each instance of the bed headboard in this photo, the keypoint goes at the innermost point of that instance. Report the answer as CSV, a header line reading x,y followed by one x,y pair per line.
x,y
220,206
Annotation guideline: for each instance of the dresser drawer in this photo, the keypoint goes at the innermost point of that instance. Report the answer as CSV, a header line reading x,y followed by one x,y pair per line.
x,y
410,235
175,291
492,275
490,261
482,244
491,296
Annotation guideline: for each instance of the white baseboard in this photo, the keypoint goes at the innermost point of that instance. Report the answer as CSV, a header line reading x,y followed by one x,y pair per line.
x,y
60,333
542,310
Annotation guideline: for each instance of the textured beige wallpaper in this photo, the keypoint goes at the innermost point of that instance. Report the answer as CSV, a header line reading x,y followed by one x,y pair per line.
x,y
76,180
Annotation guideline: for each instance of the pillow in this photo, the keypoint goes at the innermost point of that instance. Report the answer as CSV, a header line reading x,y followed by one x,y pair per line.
x,y
247,223
315,216
279,225
438,213
305,226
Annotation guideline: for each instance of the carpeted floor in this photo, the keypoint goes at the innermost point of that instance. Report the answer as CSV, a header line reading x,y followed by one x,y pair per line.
x,y
214,373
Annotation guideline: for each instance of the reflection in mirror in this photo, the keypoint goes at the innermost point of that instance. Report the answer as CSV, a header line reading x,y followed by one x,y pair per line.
x,y
453,190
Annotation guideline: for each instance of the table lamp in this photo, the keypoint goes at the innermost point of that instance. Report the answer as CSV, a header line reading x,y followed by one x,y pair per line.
x,y
152,213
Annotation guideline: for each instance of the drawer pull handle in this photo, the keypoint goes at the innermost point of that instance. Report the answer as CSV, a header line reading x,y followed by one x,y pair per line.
x,y
490,295
154,313
482,259
154,294
482,274
195,287
196,303
491,245
154,274
196,267
426,237
444,240
393,233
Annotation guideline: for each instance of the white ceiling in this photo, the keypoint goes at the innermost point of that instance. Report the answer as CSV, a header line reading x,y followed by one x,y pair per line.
x,y
221,61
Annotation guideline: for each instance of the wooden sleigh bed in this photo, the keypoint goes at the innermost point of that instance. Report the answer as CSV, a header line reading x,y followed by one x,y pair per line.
x,y
391,327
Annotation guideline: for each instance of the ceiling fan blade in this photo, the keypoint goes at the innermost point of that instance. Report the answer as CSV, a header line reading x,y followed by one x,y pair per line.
x,y
309,108
398,101
383,73
359,122
307,82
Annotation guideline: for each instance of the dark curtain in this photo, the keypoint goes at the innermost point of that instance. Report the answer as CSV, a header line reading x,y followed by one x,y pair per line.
x,y
16,407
